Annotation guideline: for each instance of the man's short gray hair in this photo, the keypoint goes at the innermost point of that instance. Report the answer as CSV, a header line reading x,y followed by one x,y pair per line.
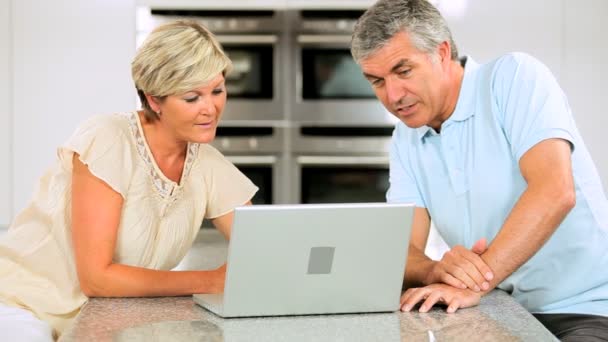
x,y
419,18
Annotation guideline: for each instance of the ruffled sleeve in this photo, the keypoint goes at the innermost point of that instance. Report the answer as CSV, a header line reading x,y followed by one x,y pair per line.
x,y
103,144
227,187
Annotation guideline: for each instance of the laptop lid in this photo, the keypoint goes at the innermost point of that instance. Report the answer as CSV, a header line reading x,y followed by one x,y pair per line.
x,y
316,259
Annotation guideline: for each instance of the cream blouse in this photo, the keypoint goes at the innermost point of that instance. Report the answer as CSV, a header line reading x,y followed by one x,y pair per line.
x,y
159,222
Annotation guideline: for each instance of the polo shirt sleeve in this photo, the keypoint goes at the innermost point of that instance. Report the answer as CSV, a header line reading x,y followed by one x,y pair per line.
x,y
531,105
402,188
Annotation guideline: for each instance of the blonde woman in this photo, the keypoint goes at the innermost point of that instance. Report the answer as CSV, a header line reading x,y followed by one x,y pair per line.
x,y
126,197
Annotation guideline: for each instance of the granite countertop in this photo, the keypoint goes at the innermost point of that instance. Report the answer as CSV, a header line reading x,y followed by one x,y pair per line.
x,y
498,318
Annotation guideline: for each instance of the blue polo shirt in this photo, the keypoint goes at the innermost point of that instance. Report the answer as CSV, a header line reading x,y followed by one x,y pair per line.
x,y
469,179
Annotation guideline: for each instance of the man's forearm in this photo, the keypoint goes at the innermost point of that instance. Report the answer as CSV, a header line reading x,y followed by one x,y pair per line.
x,y
417,268
533,220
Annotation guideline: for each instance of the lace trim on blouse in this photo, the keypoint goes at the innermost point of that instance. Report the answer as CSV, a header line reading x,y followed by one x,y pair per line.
x,y
165,187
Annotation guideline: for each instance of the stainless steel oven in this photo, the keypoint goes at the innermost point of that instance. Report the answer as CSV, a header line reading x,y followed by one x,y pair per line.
x,y
329,86
251,39
340,164
258,152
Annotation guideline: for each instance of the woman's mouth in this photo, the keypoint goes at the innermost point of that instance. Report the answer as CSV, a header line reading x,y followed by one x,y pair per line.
x,y
205,124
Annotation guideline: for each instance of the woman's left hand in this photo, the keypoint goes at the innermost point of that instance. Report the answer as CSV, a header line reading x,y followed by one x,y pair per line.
x,y
430,295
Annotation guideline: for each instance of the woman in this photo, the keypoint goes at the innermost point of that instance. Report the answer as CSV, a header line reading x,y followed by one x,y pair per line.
x,y
127,195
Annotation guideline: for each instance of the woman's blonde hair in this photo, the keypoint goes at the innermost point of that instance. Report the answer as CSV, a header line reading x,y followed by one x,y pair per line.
x,y
175,58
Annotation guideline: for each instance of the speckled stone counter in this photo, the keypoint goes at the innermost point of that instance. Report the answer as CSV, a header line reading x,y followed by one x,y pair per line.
x,y
497,318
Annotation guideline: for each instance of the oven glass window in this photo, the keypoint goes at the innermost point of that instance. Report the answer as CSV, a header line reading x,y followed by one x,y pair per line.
x,y
343,185
252,71
332,74
262,177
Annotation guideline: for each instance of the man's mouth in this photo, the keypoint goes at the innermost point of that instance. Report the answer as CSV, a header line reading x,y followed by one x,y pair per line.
x,y
407,110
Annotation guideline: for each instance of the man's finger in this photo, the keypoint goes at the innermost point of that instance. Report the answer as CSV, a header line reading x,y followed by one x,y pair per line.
x,y
431,300
480,246
477,269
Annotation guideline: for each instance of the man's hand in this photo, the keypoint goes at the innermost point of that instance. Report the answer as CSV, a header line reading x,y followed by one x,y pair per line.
x,y
439,294
462,268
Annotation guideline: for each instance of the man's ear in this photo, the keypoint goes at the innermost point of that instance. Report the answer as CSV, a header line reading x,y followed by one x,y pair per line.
x,y
445,51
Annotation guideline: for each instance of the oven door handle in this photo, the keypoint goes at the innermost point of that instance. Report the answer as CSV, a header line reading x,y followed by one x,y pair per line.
x,y
252,39
252,160
317,39
342,160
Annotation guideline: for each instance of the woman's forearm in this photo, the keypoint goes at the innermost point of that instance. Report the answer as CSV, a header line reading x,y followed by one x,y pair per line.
x,y
119,280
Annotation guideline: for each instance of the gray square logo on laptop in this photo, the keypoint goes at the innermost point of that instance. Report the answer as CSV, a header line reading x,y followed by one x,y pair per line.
x,y
321,259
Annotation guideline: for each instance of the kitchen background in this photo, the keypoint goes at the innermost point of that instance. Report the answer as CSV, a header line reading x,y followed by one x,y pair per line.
x,y
305,137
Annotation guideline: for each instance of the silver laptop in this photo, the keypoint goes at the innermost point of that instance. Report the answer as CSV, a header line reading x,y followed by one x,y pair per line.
x,y
314,259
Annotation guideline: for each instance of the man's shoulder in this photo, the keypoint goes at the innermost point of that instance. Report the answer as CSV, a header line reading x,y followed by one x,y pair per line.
x,y
516,65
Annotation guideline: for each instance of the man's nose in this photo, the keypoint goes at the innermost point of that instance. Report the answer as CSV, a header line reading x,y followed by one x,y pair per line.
x,y
394,91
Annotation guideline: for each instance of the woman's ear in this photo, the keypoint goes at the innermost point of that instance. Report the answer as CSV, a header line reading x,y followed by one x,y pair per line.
x,y
154,103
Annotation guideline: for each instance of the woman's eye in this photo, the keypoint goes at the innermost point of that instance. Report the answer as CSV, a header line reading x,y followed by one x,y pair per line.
x,y
191,99
218,91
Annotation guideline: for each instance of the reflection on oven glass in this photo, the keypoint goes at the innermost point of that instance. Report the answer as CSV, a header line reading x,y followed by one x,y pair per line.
x,y
335,75
343,185
262,178
252,72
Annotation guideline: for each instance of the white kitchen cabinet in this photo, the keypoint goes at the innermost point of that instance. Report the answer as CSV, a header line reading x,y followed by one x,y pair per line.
x,y
71,61
585,73
5,112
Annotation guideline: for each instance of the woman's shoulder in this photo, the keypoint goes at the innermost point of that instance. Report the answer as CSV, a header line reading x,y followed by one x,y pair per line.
x,y
104,127
210,155
117,122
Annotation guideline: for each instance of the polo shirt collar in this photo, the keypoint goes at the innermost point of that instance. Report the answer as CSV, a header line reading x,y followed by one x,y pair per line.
x,y
466,98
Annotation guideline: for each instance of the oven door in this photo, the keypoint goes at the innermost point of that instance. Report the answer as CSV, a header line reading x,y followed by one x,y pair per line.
x,y
253,84
330,87
342,179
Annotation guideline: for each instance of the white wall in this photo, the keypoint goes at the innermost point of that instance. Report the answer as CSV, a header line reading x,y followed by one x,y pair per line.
x,y
489,28
586,74
5,112
72,60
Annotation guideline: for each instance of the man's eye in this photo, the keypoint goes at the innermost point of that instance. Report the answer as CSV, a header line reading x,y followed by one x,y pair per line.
x,y
376,82
405,72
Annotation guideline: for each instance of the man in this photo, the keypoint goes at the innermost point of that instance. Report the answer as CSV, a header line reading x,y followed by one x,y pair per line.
x,y
489,153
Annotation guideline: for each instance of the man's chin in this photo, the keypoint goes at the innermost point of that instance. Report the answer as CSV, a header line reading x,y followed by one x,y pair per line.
x,y
411,123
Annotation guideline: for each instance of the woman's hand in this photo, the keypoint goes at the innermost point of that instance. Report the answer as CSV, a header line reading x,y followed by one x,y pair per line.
x,y
462,268
430,295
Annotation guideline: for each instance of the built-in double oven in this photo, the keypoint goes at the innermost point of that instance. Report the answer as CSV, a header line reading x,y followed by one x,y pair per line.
x,y
340,164
341,131
330,88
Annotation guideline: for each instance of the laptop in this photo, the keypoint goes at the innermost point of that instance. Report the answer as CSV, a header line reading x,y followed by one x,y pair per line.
x,y
310,259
